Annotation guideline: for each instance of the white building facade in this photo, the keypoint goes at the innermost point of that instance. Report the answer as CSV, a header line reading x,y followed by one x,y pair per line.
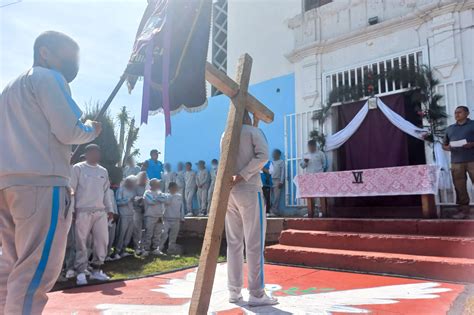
x,y
336,41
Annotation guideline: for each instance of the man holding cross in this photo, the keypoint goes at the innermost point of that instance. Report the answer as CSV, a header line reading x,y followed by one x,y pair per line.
x,y
245,219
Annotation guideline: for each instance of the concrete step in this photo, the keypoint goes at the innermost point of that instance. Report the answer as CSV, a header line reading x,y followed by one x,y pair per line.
x,y
431,267
386,226
442,246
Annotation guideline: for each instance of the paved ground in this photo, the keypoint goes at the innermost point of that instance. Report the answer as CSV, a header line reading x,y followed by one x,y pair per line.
x,y
299,290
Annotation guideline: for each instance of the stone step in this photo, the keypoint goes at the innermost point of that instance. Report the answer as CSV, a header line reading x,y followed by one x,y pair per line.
x,y
386,226
442,246
430,267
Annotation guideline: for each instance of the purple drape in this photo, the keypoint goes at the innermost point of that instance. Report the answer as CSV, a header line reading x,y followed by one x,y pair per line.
x,y
377,143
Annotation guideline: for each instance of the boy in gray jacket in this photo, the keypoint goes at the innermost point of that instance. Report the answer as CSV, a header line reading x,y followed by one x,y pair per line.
x,y
93,208
124,198
174,215
139,207
154,210
38,116
203,179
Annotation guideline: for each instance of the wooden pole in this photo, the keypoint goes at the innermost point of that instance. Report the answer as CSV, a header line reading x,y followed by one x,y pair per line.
x,y
215,224
428,206
75,157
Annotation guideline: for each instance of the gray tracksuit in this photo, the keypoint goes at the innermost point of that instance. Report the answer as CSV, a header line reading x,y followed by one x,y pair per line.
x,y
245,221
180,181
203,179
39,121
139,207
174,213
112,225
124,198
278,177
91,204
167,179
154,211
211,187
189,189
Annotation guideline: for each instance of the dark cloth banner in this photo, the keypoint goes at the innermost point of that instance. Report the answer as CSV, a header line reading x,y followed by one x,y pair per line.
x,y
377,143
170,54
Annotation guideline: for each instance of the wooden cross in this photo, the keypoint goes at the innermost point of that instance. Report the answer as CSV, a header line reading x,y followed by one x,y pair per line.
x,y
241,100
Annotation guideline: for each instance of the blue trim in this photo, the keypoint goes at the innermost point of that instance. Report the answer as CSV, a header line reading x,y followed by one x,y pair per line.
x,y
84,127
262,245
76,110
38,275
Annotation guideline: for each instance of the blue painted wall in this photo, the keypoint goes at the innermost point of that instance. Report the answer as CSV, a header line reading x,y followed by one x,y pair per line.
x,y
196,136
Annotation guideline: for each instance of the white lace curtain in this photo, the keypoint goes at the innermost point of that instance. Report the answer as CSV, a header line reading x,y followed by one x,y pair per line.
x,y
339,138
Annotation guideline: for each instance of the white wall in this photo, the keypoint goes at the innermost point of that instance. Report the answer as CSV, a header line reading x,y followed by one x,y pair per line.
x,y
260,28
337,36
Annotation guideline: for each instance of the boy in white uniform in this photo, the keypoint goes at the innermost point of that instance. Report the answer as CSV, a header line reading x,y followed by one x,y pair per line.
x,y
174,214
131,168
314,161
139,210
202,181
39,121
180,179
214,166
124,198
189,188
245,221
168,177
278,178
93,208
154,211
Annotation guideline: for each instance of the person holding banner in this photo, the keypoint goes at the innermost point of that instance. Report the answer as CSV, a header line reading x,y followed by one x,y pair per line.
x,y
39,121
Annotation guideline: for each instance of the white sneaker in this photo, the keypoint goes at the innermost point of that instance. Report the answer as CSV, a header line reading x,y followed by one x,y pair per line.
x,y
261,301
157,252
70,274
145,253
99,275
189,214
125,254
235,297
81,279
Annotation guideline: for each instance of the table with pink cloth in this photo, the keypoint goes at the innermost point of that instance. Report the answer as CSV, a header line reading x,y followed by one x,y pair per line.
x,y
390,181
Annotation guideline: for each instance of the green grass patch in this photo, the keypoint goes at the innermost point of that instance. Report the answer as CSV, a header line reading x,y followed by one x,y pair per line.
x,y
133,266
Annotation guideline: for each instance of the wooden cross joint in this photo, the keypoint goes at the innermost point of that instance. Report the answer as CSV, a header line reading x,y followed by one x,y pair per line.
x,y
229,87
241,100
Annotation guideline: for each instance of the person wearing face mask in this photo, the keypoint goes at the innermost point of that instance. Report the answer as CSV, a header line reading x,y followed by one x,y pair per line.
x,y
38,116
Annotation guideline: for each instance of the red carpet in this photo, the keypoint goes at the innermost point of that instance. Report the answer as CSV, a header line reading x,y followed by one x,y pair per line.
x,y
300,291
434,249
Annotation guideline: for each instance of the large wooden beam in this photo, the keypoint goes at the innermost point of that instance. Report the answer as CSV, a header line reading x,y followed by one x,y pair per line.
x,y
215,223
230,88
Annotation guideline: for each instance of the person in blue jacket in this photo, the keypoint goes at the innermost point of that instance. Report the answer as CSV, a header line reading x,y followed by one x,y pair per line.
x,y
153,167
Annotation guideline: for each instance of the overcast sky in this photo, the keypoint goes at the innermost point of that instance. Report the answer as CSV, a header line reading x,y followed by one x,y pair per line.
x,y
105,31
